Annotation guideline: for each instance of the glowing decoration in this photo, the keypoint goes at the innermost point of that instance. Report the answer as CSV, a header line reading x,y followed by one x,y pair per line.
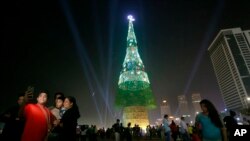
x,y
133,78
134,91
130,18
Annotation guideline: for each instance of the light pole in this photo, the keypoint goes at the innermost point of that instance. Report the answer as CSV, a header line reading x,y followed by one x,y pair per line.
x,y
247,110
248,102
248,99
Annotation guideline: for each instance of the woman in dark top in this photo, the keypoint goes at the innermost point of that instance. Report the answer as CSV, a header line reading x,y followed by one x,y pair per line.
x,y
69,119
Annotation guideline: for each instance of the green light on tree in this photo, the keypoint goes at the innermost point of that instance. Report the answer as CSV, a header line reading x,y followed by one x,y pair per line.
x,y
133,86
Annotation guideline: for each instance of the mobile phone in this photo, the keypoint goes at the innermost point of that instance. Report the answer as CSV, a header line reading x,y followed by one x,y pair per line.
x,y
30,92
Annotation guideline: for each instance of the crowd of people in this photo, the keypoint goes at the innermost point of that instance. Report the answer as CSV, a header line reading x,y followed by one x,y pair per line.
x,y
33,121
209,126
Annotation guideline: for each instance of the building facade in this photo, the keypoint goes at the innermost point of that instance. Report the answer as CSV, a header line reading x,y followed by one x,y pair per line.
x,y
230,56
165,108
196,98
183,106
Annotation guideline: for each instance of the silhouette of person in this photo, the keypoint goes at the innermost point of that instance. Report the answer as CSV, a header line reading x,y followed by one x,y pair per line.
x,y
13,123
230,123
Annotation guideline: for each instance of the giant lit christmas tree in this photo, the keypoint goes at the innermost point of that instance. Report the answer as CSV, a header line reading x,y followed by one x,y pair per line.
x,y
134,91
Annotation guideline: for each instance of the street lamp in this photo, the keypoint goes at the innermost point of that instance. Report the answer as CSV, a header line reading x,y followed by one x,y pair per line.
x,y
248,99
248,102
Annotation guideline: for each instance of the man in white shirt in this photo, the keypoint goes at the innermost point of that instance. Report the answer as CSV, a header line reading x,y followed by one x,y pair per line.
x,y
184,129
167,130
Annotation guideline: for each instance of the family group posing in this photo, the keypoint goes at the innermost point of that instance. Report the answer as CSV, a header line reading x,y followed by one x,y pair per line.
x,y
36,122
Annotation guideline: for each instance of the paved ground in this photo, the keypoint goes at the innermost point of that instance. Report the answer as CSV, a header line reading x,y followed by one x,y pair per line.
x,y
141,139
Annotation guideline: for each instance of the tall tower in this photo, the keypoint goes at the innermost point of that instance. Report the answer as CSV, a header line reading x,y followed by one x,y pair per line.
x,y
196,98
134,92
165,108
183,106
230,56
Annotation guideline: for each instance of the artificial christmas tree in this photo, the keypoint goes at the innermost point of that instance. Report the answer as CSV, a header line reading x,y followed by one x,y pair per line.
x,y
134,91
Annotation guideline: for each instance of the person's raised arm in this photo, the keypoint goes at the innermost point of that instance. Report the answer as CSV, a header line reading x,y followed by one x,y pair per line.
x,y
28,97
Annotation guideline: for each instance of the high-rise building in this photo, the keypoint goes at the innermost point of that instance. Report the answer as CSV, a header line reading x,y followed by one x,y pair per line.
x,y
196,98
183,106
247,35
230,56
134,91
165,108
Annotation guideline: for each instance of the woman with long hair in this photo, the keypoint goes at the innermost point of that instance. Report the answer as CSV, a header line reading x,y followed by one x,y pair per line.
x,y
68,121
212,128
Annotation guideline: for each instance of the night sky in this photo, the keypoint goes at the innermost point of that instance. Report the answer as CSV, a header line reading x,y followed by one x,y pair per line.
x,y
78,47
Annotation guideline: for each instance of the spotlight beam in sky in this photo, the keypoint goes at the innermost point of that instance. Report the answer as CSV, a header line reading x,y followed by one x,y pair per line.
x,y
112,11
81,52
204,45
